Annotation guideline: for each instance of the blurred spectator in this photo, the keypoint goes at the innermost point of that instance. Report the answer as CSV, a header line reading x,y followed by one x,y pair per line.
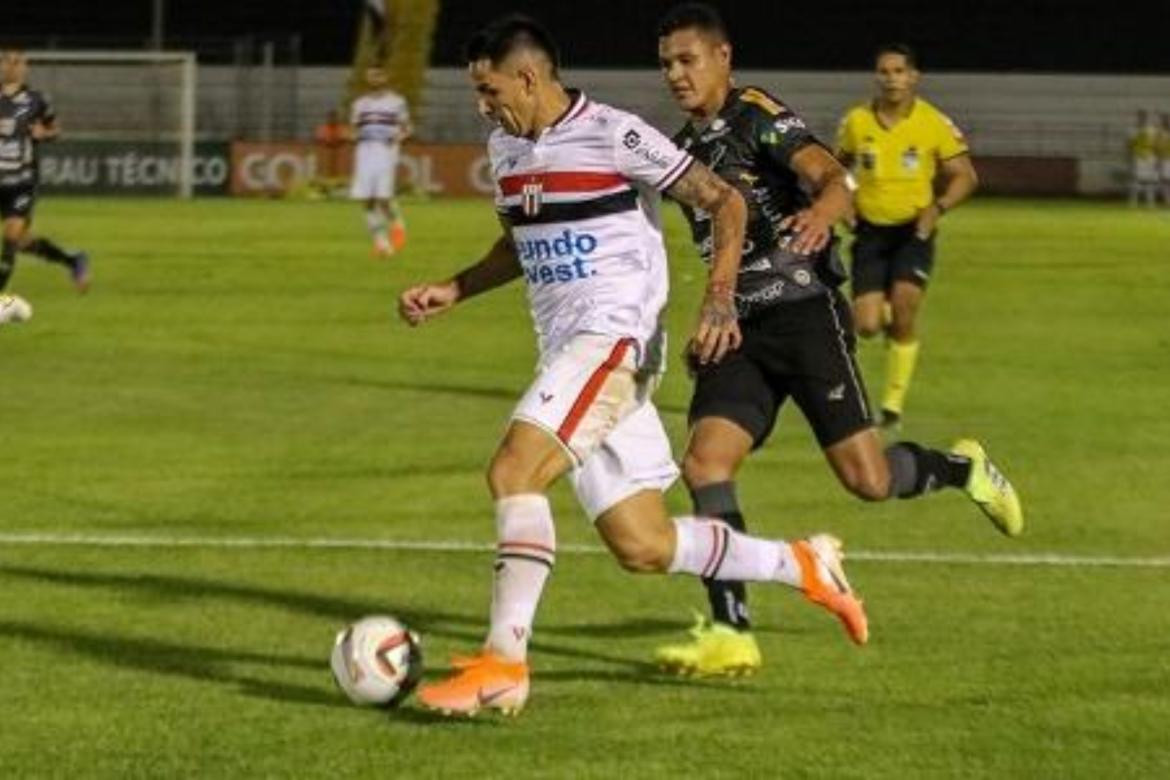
x,y
1143,158
1164,156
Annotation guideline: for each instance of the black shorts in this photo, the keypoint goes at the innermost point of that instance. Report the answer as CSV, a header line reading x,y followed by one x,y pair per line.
x,y
802,349
18,201
884,254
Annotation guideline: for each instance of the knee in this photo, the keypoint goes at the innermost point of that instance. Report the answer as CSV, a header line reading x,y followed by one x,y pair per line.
x,y
868,484
645,554
902,324
507,476
867,321
701,467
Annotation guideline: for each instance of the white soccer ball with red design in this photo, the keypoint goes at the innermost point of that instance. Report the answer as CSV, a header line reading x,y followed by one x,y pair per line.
x,y
377,661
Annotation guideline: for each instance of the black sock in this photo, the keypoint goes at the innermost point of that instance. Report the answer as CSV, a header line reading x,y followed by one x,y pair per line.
x,y
47,250
728,599
915,470
7,262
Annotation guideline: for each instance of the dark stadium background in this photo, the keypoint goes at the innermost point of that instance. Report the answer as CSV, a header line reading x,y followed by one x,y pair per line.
x,y
1025,35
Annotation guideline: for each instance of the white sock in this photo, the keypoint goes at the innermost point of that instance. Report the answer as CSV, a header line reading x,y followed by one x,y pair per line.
x,y
376,223
525,554
712,549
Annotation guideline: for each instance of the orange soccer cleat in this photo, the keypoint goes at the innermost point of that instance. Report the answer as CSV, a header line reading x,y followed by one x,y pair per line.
x,y
397,236
481,681
824,583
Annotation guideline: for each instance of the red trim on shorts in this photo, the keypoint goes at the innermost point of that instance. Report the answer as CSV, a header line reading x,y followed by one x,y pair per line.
x,y
589,393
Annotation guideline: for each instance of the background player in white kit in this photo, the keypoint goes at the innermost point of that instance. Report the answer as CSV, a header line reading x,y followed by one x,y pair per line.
x,y
380,121
577,187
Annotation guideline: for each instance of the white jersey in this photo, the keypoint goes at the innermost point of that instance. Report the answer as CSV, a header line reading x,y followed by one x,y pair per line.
x,y
582,200
380,118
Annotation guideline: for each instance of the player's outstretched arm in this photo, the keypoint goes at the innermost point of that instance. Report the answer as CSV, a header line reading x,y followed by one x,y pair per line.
x,y
499,266
830,184
718,330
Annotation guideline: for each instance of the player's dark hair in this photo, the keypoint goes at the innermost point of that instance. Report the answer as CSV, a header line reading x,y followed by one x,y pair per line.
x,y
508,34
698,16
897,48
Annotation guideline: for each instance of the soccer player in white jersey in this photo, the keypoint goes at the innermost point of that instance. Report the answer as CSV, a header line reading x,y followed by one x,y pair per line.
x,y
577,186
380,122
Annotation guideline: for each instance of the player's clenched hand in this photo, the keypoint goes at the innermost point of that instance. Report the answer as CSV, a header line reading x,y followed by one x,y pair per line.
x,y
421,302
718,330
811,231
926,222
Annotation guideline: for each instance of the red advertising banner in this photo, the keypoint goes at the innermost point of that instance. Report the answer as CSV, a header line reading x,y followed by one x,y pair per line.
x,y
451,170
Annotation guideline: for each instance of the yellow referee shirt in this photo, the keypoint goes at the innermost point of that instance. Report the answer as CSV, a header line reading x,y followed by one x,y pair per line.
x,y
1164,145
1143,143
895,166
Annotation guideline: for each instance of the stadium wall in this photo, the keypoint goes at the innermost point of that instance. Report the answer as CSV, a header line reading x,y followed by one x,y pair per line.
x,y
1039,134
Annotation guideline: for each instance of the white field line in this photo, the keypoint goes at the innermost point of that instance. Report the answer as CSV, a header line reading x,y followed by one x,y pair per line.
x,y
439,545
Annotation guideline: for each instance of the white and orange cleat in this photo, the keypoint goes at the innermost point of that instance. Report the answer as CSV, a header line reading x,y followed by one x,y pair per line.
x,y
484,681
824,583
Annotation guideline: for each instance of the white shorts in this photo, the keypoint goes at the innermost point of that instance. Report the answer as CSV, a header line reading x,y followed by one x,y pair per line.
x,y
1145,171
592,399
374,169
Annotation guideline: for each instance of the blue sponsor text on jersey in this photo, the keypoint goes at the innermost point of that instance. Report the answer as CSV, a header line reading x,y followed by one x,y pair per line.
x,y
562,258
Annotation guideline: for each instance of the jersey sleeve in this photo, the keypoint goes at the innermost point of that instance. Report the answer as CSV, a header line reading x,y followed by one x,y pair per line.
x,y
642,154
951,141
496,153
778,132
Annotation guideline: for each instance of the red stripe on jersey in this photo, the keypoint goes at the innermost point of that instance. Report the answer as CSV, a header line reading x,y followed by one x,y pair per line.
x,y
591,389
562,181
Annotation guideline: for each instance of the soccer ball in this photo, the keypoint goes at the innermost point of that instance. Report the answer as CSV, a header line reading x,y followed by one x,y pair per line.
x,y
13,308
377,661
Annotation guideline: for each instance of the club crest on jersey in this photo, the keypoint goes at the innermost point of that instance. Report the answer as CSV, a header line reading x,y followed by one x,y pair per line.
x,y
530,197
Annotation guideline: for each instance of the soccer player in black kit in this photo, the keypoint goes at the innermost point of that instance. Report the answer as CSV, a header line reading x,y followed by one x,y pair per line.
x,y
26,120
798,339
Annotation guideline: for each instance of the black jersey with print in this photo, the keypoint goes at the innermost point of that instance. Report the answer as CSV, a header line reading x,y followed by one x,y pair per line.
x,y
750,144
18,149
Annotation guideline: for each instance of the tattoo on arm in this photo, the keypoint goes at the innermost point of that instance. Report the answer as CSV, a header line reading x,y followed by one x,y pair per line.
x,y
701,188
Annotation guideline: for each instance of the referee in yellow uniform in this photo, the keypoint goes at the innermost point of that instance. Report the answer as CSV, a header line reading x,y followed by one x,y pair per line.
x,y
897,145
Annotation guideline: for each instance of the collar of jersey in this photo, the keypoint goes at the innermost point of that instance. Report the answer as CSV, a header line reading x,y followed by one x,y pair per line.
x,y
577,101
725,111
877,118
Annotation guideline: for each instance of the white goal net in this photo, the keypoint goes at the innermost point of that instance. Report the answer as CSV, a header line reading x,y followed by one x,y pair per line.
x,y
127,118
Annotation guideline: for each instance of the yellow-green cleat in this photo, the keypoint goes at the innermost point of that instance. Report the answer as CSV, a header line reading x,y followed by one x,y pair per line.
x,y
715,650
990,489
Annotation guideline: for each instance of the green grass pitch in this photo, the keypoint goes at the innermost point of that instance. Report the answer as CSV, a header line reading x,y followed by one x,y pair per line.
x,y
236,373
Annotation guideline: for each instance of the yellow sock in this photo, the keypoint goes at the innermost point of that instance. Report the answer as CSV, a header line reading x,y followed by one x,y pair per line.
x,y
900,360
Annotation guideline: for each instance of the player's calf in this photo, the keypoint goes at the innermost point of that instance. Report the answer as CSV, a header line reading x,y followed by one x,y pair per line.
x,y
7,261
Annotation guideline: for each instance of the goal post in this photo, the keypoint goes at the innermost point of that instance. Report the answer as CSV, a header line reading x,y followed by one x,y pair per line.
x,y
135,97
